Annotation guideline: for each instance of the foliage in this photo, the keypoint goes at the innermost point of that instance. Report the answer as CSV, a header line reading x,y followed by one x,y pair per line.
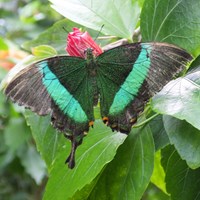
x,y
163,153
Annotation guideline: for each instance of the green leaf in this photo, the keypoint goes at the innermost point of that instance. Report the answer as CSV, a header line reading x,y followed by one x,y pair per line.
x,y
185,138
182,182
33,163
158,177
172,21
16,133
3,44
48,141
98,149
181,98
159,134
195,64
84,193
118,17
154,193
44,51
55,36
128,175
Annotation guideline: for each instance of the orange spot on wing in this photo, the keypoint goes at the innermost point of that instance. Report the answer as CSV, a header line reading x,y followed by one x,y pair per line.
x,y
91,123
105,120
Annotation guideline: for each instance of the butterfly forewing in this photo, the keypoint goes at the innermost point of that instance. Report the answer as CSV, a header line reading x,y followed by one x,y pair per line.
x,y
60,86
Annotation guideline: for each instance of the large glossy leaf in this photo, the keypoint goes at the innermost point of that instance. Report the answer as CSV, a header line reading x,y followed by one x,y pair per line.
x,y
98,149
172,21
181,98
128,175
185,138
182,182
118,17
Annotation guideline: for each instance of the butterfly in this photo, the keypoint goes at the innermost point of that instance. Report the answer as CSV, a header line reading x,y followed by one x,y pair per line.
x,y
122,79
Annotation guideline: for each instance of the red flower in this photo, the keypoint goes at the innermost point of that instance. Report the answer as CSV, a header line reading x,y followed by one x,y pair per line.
x,y
78,42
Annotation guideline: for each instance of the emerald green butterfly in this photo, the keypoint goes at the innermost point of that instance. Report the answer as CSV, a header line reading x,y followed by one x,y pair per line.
x,y
122,79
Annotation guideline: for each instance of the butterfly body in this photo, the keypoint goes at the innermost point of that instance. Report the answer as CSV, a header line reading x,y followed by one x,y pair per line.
x,y
121,79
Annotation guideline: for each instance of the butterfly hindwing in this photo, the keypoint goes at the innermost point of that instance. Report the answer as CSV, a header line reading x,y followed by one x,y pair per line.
x,y
146,68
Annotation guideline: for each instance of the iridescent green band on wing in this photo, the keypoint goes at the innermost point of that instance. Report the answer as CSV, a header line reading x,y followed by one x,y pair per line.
x,y
65,101
129,89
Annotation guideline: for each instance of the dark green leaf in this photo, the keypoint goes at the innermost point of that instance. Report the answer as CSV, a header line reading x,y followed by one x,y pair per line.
x,y
128,175
185,138
172,21
98,149
159,134
195,64
182,182
181,99
154,193
118,17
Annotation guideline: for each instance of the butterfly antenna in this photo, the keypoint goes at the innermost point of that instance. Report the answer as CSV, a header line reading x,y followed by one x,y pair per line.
x,y
99,32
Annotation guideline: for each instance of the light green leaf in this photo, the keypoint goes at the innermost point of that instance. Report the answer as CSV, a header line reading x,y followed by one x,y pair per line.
x,y
44,51
119,17
185,138
98,149
3,44
182,182
172,21
128,175
181,98
158,177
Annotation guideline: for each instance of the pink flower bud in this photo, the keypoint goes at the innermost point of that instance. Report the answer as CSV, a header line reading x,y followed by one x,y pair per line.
x,y
78,42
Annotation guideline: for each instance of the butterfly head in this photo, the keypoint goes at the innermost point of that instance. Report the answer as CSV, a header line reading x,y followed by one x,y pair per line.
x,y
89,53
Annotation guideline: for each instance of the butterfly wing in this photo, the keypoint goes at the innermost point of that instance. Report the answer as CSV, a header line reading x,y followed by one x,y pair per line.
x,y
59,86
130,74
